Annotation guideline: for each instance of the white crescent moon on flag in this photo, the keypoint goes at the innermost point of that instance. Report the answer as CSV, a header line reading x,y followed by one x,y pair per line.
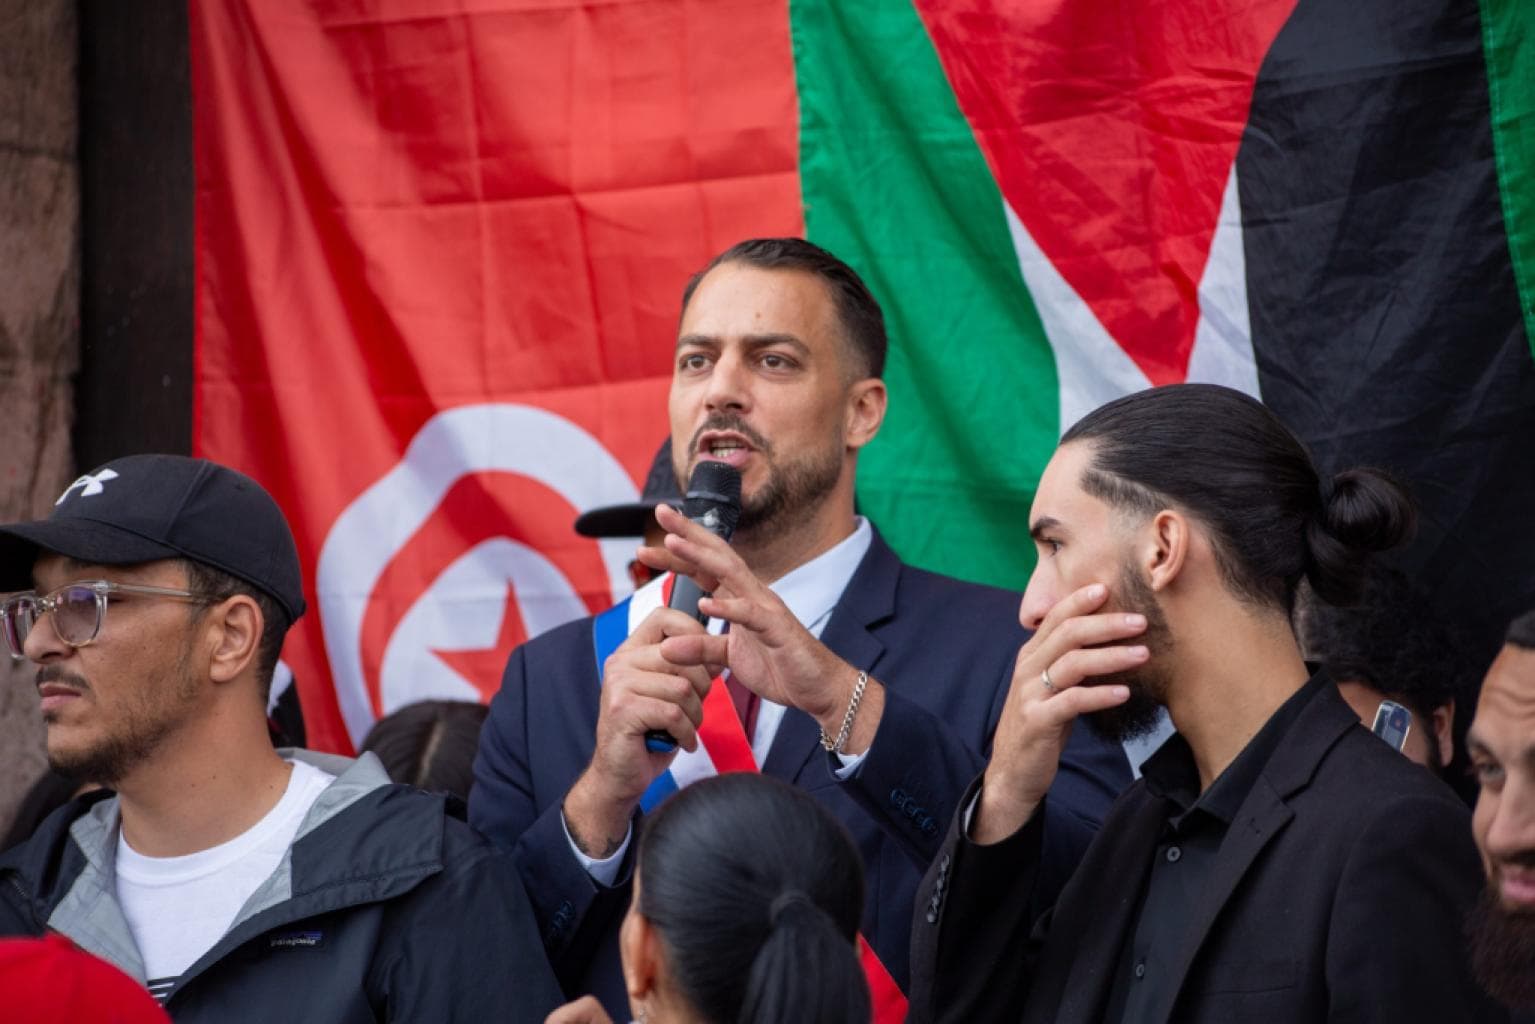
x,y
364,539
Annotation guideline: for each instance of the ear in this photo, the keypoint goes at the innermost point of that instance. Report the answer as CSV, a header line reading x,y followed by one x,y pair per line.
x,y
866,402
1443,724
1165,547
639,950
236,626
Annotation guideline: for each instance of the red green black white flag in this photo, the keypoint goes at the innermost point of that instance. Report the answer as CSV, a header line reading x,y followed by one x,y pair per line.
x,y
440,247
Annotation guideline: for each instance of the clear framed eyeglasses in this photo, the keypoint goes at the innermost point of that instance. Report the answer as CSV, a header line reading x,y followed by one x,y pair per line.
x,y
78,610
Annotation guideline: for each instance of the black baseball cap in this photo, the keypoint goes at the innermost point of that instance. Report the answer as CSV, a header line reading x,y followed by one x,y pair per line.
x,y
631,518
143,508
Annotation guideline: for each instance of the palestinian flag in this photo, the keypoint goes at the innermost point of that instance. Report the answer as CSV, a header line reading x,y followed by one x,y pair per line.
x,y
440,247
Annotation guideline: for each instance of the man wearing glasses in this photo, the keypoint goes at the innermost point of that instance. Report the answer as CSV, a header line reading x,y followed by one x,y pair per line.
x,y
237,882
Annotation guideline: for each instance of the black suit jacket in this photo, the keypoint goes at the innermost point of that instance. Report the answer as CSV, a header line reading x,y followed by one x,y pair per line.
x,y
944,651
1338,894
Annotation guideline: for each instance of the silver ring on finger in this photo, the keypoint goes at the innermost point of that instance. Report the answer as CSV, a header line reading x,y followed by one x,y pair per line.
x,y
1044,677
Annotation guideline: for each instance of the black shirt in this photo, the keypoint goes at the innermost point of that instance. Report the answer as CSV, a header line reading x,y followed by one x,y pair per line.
x,y
1191,837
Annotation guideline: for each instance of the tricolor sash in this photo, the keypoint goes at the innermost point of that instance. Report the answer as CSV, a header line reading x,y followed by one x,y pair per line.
x,y
722,747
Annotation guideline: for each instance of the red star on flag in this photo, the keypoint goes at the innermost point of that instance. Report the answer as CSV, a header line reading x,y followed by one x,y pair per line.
x,y
482,667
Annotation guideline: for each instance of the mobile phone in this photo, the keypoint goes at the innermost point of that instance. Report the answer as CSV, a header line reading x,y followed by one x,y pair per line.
x,y
1392,724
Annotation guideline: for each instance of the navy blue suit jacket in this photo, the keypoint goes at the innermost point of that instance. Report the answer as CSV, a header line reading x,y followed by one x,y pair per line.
x,y
944,651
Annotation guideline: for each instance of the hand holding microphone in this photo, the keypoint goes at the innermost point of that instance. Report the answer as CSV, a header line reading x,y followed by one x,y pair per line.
x,y
767,649
713,501
648,705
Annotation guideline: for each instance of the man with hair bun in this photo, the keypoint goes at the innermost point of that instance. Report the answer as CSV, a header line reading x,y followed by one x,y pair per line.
x,y
869,683
1275,862
1388,645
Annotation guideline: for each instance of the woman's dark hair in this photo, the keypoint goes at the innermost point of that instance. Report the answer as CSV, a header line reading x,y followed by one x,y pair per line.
x,y
862,320
1225,459
430,744
757,892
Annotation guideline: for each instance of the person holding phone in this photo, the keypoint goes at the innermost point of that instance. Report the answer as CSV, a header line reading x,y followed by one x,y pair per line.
x,y
1392,660
1275,862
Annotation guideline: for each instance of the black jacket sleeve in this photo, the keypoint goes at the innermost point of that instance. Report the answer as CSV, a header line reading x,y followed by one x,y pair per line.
x,y
1412,873
571,909
979,925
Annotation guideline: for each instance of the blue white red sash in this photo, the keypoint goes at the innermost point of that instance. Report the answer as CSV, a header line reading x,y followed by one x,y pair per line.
x,y
722,747
722,743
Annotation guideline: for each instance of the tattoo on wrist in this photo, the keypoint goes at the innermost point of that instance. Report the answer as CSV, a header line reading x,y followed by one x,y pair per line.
x,y
605,852
609,846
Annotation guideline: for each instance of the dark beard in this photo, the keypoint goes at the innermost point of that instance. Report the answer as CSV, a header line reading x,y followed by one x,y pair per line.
x,y
1142,713
790,489
138,737
1136,717
111,759
1503,951
787,495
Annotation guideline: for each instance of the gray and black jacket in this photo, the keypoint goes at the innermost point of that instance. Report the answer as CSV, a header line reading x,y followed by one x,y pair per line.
x,y
387,907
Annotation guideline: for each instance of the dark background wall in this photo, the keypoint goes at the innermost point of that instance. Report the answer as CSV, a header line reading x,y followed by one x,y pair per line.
x,y
96,242
134,392
39,310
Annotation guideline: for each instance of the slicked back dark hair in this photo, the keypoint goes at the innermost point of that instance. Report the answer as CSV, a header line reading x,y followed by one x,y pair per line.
x,y
1222,457
1521,632
862,320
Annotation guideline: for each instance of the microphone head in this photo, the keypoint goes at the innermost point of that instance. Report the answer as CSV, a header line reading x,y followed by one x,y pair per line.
x,y
714,487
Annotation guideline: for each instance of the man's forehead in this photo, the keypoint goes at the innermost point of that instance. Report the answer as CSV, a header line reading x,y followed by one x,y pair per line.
x,y
1060,485
741,299
1505,711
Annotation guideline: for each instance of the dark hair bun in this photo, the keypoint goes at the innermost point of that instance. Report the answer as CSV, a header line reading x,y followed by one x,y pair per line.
x,y
1362,512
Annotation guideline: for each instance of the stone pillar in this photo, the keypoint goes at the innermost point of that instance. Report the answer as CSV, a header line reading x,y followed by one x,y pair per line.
x,y
39,311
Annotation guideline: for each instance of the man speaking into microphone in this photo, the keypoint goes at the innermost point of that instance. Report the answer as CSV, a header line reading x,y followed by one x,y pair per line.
x,y
873,685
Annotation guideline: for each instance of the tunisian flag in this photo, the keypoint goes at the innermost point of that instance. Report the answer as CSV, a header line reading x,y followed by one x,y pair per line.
x,y
440,249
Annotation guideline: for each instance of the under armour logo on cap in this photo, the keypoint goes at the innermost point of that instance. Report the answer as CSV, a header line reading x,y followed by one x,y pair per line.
x,y
89,484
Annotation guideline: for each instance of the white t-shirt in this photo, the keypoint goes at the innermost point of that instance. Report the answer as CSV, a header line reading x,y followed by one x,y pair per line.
x,y
178,907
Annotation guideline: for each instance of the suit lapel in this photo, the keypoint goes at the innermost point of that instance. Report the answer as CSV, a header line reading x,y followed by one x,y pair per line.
x,y
1263,815
1111,879
868,600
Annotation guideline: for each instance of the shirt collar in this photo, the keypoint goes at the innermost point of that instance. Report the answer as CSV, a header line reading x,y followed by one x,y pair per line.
x,y
1171,773
812,590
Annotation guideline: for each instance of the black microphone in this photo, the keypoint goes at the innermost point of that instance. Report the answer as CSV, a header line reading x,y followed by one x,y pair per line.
x,y
713,501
